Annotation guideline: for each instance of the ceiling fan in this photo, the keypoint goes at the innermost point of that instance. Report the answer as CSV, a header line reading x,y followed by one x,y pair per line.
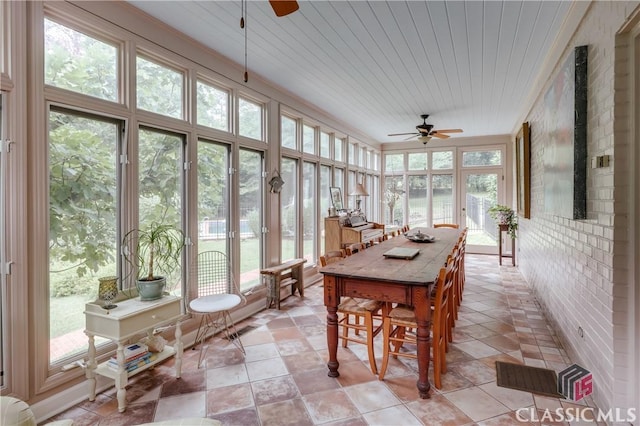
x,y
426,131
284,7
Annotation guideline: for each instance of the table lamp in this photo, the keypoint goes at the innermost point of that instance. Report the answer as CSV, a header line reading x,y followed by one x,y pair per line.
x,y
359,192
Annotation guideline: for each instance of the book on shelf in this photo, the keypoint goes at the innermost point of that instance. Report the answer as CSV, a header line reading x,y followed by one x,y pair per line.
x,y
114,360
134,364
134,349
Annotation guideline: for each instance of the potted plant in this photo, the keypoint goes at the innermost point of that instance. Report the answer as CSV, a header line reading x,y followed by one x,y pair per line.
x,y
504,215
154,253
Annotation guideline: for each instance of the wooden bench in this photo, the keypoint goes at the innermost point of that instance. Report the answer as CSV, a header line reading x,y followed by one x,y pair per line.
x,y
288,273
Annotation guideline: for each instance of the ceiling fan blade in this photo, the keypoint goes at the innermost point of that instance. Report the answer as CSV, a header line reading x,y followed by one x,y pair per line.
x,y
439,136
284,7
449,131
413,136
402,134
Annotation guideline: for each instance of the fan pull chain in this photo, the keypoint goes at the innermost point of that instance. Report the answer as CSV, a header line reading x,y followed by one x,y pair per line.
x,y
243,25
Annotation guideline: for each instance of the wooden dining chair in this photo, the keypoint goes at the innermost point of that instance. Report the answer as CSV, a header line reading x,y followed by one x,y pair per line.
x,y
354,248
402,318
364,309
446,225
452,304
462,244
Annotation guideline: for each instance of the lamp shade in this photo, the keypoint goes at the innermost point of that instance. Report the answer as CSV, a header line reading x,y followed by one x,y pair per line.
x,y
360,190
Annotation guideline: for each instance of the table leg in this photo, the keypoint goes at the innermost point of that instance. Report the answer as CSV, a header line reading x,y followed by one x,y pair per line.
x,y
91,367
331,302
422,308
178,348
121,379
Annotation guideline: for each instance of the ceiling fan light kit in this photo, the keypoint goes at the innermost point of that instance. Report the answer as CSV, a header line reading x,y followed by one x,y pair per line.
x,y
426,131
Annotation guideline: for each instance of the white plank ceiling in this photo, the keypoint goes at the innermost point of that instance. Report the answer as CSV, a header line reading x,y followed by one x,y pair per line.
x,y
378,65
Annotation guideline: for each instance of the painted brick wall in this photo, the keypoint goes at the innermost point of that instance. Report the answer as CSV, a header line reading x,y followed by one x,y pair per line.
x,y
579,269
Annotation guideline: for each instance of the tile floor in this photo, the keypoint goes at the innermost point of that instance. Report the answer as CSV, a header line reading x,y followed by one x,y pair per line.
x,y
283,378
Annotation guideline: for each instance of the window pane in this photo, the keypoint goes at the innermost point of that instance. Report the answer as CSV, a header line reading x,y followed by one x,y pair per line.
x,y
309,211
418,161
394,200
289,212
324,145
250,119
159,89
374,210
213,107
351,154
442,160
481,158
363,157
339,146
213,189
288,131
442,192
4,338
160,186
325,199
351,185
418,200
308,133
481,193
250,177
393,163
83,238
77,62
339,179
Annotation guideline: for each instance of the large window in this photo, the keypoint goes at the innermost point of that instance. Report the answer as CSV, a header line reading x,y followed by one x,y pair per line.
x,y
213,106
324,145
288,132
338,149
442,199
309,205
325,199
289,209
418,198
308,139
250,119
159,88
213,197
394,194
77,62
160,182
3,247
251,212
83,218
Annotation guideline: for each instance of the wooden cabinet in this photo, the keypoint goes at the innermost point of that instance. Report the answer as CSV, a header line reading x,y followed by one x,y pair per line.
x,y
337,236
130,318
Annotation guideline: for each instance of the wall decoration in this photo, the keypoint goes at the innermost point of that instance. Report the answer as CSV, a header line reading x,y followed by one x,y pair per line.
x,y
523,163
276,182
336,197
565,152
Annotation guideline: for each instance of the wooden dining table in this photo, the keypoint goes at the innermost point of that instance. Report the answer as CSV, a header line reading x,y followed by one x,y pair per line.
x,y
371,275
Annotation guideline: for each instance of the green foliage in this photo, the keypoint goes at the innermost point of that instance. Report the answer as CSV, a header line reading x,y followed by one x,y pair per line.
x,y
82,206
158,250
254,222
505,215
289,220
